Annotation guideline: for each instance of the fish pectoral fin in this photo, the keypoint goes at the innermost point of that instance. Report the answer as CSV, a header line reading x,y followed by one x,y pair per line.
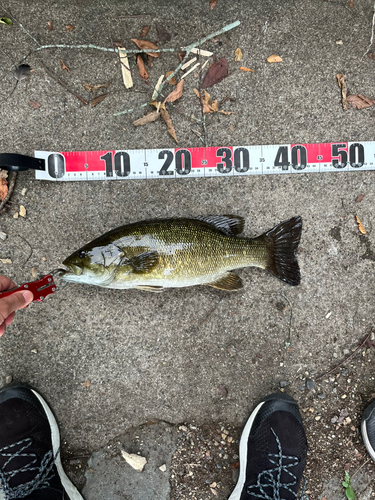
x,y
144,262
150,288
227,224
229,282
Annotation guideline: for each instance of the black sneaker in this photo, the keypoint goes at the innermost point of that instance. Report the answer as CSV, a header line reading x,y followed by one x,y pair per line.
x,y
368,429
272,452
30,463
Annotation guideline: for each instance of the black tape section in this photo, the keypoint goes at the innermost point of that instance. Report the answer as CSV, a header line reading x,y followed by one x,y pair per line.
x,y
15,162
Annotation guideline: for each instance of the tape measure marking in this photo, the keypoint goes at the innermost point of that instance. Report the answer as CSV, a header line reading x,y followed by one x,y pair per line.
x,y
207,162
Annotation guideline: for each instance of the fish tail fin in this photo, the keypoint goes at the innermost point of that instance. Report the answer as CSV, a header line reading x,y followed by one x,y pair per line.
x,y
282,243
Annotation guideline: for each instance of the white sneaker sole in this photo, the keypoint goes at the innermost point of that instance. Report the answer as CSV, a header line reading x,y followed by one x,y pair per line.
x,y
366,440
243,451
70,489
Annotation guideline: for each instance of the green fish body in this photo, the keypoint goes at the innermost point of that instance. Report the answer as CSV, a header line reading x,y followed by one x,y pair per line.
x,y
157,254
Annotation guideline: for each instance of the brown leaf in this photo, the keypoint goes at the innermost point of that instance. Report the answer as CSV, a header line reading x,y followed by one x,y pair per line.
x,y
213,4
64,66
141,67
361,229
87,383
163,34
242,68
371,55
350,3
34,104
144,31
150,117
168,120
274,59
210,106
158,105
173,80
359,101
91,88
150,61
181,55
359,198
49,24
3,188
69,27
341,79
177,92
146,44
98,99
238,54
216,72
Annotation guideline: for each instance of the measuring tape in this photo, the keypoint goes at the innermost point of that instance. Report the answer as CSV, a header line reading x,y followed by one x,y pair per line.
x,y
206,161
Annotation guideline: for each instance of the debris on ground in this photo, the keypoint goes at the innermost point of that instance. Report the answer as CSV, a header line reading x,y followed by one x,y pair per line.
x,y
209,106
69,28
173,80
50,25
215,73
274,59
146,44
6,20
163,34
65,67
213,4
144,31
142,67
136,461
359,101
125,68
34,104
341,79
150,117
91,88
3,184
361,229
242,68
98,99
5,261
22,211
238,55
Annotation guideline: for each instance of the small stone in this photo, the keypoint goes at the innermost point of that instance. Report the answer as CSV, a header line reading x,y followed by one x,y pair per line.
x,y
346,352
321,396
302,388
34,351
309,384
24,191
335,354
318,417
311,409
163,468
339,42
8,379
230,439
283,383
16,215
2,236
218,466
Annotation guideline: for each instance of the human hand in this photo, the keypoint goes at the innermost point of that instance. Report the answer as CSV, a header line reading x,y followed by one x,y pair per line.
x,y
11,303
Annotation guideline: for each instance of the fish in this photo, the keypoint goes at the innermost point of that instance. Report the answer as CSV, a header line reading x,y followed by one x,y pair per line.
x,y
156,254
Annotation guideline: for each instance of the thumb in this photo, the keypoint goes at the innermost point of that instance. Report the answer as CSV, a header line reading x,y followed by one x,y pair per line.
x,y
14,302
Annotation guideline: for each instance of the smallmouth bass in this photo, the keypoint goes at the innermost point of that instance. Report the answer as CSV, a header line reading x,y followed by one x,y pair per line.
x,y
157,254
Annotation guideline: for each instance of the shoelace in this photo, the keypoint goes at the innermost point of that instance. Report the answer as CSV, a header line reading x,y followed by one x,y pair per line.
x,y
43,471
270,478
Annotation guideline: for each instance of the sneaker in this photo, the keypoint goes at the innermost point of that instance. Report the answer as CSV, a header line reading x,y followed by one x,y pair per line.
x,y
272,452
30,462
368,429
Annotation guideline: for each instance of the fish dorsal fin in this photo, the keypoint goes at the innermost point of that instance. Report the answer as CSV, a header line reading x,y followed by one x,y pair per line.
x,y
144,262
227,224
229,282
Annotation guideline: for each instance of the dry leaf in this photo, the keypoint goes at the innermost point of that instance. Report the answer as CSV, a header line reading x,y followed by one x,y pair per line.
x,y
362,230
213,4
144,31
238,54
177,92
125,69
6,261
242,68
350,3
146,44
371,55
157,87
341,79
274,59
16,215
181,55
87,383
98,99
172,81
150,61
34,272
150,117
49,24
168,120
91,88
359,101
34,104
63,66
359,198
158,105
135,461
142,68
22,211
213,491
163,34
208,105
69,27
216,72
3,188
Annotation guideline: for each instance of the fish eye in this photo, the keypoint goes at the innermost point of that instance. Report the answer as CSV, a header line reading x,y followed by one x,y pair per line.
x,y
82,254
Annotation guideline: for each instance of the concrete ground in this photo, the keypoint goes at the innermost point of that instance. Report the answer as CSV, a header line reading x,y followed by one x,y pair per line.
x,y
166,357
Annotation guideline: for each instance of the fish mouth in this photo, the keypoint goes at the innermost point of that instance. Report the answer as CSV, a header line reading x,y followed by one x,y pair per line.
x,y
75,269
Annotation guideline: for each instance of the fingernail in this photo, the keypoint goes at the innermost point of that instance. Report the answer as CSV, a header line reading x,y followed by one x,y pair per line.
x,y
27,295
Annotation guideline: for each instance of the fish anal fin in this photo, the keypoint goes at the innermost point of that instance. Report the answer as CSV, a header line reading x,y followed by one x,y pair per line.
x,y
144,262
149,288
227,224
229,282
